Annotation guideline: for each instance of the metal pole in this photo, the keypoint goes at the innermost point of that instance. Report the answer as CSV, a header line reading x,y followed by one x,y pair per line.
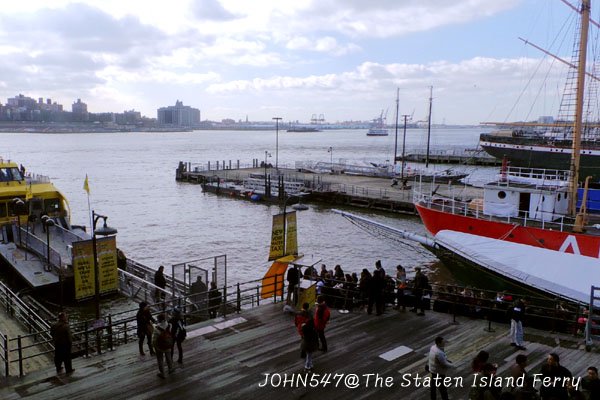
x,y
277,142
96,274
403,147
396,137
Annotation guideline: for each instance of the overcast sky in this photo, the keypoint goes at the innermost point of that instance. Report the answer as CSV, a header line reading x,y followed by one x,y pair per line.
x,y
288,58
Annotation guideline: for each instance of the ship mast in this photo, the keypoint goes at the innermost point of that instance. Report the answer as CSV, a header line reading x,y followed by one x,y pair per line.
x,y
429,126
578,123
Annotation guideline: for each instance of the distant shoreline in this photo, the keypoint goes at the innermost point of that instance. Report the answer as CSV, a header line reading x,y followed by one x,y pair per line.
x,y
12,127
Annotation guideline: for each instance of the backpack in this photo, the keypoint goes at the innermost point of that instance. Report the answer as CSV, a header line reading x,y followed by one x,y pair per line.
x,y
164,341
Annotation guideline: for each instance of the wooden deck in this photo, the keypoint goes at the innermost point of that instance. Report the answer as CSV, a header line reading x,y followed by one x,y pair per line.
x,y
229,360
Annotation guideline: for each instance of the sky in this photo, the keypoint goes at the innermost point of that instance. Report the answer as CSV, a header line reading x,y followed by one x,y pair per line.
x,y
259,59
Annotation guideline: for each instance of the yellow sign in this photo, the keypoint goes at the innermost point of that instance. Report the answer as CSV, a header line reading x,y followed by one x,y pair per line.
x,y
83,267
277,237
291,240
307,295
107,263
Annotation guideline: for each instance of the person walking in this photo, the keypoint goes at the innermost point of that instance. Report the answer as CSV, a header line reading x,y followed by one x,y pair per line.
x,y
161,282
162,341
144,320
438,365
310,340
63,340
178,332
420,284
516,313
300,319
321,319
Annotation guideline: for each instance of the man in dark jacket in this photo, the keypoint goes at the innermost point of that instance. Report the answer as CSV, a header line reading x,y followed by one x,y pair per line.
x,y
558,374
61,335
420,284
293,279
161,282
516,313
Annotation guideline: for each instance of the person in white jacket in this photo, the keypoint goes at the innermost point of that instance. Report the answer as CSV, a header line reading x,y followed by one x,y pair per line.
x,y
438,365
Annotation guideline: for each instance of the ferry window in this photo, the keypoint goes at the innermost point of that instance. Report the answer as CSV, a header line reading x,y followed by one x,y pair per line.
x,y
3,175
16,174
502,194
558,197
51,206
3,210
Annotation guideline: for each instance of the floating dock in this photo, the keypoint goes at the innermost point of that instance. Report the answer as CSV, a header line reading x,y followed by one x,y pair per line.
x,y
338,189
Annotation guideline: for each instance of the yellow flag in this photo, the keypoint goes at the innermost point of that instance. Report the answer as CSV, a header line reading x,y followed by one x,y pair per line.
x,y
28,193
86,185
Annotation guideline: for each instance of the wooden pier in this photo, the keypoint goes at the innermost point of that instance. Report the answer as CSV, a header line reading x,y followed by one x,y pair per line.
x,y
327,188
230,359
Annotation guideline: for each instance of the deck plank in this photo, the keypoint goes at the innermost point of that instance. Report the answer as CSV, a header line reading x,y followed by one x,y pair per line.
x,y
230,363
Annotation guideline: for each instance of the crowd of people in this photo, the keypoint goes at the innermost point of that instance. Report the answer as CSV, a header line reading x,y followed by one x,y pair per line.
x,y
371,291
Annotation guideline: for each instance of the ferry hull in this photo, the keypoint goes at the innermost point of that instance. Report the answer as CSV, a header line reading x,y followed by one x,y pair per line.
x,y
548,157
567,242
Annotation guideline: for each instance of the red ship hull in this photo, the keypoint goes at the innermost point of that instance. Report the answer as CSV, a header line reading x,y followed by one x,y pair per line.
x,y
567,242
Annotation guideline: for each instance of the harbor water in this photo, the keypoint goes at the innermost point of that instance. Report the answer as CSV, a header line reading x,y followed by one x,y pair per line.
x,y
160,221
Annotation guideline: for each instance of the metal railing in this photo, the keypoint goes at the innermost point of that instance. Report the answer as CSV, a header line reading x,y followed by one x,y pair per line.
x,y
91,337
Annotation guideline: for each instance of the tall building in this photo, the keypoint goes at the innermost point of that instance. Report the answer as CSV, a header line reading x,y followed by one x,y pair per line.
x,y
80,111
178,115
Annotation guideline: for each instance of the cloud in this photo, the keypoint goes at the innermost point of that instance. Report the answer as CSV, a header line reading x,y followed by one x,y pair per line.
x,y
211,10
327,44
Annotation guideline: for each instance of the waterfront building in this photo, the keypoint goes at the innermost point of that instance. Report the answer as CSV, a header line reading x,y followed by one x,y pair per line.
x,y
178,115
80,111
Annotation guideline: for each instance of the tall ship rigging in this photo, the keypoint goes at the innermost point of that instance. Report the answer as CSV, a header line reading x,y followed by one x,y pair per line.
x,y
548,142
527,206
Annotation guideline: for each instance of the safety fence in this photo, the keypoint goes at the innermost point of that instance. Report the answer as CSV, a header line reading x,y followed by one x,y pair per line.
x,y
97,336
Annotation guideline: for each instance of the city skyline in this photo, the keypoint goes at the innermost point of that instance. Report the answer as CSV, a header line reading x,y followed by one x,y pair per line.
x,y
235,60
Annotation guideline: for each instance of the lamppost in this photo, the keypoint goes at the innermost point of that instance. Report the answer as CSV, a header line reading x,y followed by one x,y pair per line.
x,y
277,143
103,231
267,189
18,206
47,222
330,151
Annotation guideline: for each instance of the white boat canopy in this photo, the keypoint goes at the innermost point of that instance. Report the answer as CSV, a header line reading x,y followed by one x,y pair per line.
x,y
562,274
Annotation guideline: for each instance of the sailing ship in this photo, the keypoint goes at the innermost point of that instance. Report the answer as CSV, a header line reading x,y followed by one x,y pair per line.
x,y
447,175
529,207
549,142
377,127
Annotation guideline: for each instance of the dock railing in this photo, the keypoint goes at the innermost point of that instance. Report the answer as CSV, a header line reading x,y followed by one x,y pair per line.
x,y
91,338
551,314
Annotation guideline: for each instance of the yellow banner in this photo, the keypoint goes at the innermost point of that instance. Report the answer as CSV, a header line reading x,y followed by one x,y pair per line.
x,y
107,264
83,267
277,237
291,240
